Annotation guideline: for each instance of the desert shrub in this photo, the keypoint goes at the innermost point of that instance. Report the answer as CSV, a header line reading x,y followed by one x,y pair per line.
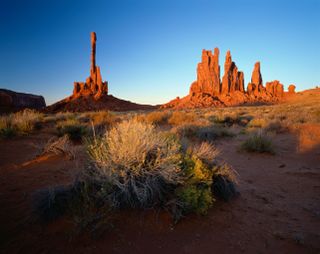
x,y
186,130
102,118
157,117
275,126
224,179
26,121
62,116
203,133
213,132
223,188
22,122
57,146
138,161
195,194
6,127
259,143
180,117
205,151
258,123
225,118
72,128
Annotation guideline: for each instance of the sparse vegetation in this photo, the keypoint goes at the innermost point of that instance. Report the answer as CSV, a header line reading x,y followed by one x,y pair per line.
x,y
20,123
259,143
180,117
156,117
57,146
72,128
133,165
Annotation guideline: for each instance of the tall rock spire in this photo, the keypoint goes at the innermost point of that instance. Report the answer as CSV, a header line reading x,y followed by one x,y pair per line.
x,y
94,85
256,77
232,80
208,74
93,52
255,87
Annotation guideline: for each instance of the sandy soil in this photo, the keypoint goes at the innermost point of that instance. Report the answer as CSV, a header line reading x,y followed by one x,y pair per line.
x,y
278,210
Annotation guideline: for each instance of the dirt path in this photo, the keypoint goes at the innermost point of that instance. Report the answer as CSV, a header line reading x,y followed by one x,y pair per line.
x,y
278,210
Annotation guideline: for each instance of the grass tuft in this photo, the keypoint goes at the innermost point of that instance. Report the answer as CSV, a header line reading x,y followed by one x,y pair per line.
x,y
258,143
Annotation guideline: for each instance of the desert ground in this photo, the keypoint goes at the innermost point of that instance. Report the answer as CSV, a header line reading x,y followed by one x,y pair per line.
x,y
277,209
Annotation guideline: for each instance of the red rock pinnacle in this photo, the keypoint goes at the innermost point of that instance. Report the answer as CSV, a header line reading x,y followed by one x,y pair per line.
x,y
94,86
208,74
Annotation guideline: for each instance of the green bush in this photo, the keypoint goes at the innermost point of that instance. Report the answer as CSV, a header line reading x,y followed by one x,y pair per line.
x,y
195,195
258,143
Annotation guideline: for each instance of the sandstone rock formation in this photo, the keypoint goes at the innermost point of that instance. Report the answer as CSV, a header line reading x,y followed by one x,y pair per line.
x,y
232,80
11,101
208,74
208,90
275,88
92,95
94,86
255,87
292,89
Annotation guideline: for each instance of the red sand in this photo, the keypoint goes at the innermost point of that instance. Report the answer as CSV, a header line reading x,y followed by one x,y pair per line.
x,y
278,210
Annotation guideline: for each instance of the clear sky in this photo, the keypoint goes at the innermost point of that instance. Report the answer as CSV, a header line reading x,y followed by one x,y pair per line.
x,y
148,50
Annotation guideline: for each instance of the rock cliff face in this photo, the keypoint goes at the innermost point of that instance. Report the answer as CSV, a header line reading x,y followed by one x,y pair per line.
x,y
208,90
92,95
11,101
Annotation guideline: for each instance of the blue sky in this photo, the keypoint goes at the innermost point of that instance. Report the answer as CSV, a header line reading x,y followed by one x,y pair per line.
x,y
148,50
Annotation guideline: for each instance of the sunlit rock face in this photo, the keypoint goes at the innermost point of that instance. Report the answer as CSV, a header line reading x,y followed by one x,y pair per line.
x,y
210,91
93,86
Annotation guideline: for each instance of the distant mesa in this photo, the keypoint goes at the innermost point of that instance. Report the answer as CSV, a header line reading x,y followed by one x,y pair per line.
x,y
92,95
11,101
210,91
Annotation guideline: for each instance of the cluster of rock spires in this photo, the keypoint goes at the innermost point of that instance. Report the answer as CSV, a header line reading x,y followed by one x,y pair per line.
x,y
92,94
208,90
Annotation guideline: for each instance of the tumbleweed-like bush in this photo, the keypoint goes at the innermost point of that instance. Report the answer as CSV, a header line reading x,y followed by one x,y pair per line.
x,y
138,161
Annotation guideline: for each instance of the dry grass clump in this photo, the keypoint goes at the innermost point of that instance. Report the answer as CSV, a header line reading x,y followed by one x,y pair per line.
x,y
259,143
59,146
71,127
7,129
99,118
202,133
155,117
22,122
276,126
138,161
258,123
181,117
226,118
